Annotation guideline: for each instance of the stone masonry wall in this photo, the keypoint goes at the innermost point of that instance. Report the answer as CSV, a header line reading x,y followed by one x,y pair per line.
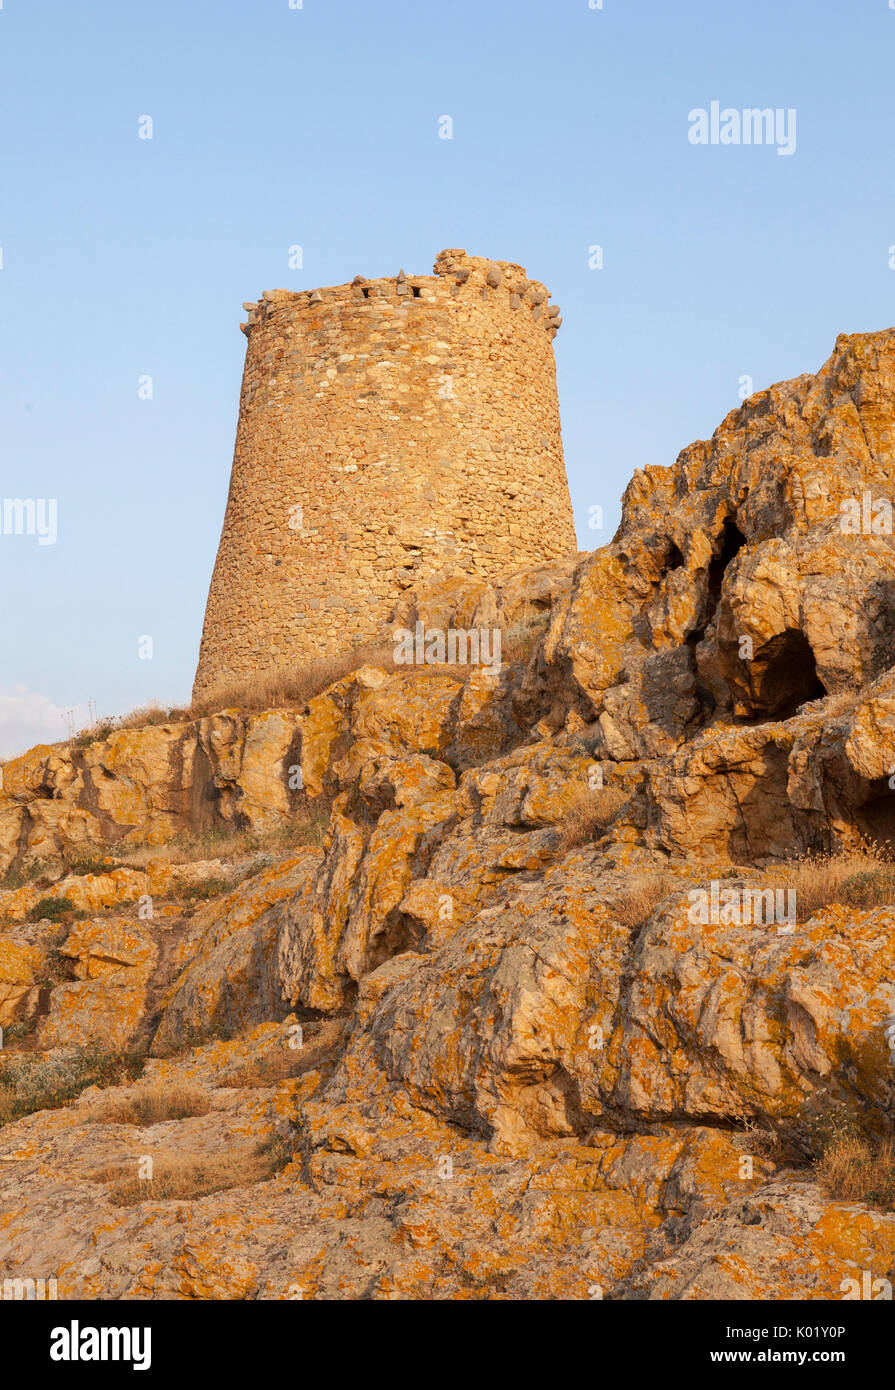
x,y
389,430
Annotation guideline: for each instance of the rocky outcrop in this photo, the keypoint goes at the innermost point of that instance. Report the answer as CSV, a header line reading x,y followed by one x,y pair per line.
x,y
530,1022
749,554
146,786
253,772
21,966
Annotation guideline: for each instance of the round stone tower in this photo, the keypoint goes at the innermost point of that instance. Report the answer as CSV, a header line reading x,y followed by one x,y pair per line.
x,y
389,431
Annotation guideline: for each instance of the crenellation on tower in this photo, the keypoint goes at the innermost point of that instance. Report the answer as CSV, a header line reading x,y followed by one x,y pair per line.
x,y
389,430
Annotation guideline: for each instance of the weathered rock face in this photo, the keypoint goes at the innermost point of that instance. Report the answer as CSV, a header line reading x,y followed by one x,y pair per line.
x,y
249,771
573,1221
491,1031
813,782
113,962
510,1050
225,979
545,1016
348,918
20,972
736,1021
751,536
148,785
783,1226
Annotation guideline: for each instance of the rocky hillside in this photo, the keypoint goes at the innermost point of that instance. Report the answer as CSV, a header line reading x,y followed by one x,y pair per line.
x,y
574,980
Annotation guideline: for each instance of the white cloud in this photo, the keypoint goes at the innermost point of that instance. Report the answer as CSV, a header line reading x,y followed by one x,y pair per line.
x,y
27,717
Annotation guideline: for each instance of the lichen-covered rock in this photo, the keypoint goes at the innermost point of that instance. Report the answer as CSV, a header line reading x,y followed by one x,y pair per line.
x,y
799,617
21,969
148,785
817,781
747,556
112,961
227,979
348,919
724,1022
783,1241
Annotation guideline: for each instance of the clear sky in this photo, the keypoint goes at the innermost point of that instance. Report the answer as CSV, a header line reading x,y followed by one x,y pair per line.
x,y
125,258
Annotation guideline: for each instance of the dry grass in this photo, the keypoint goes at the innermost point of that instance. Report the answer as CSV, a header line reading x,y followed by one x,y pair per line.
x,y
306,828
520,639
185,1178
776,1144
152,1105
153,713
286,687
846,1138
290,685
279,688
269,1069
589,813
320,1047
854,878
83,864
646,892
843,703
140,718
225,843
858,1169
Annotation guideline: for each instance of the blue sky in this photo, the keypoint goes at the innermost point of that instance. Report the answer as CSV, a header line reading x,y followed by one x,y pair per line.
x,y
318,126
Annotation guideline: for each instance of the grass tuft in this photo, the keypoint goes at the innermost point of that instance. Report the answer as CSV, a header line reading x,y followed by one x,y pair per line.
x,y
186,1178
646,892
152,1105
290,685
855,1169
588,815
202,890
862,878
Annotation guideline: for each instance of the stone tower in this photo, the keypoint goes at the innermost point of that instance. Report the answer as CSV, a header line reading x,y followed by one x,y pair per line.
x,y
389,431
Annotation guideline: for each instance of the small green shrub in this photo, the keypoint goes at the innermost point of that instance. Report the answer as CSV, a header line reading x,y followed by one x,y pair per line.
x,y
871,888
91,864
55,910
18,875
31,1081
97,734
202,890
